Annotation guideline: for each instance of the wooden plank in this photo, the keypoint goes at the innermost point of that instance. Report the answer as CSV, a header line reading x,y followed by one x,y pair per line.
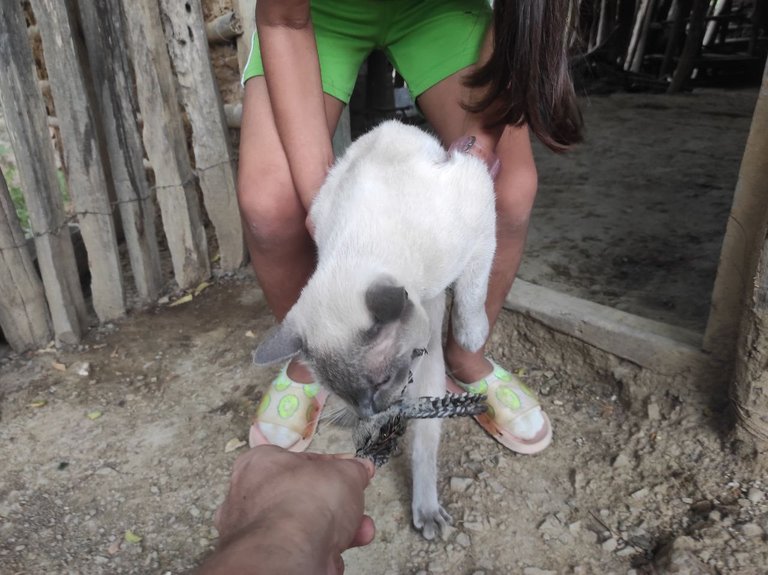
x,y
743,238
166,144
25,116
83,149
246,10
651,344
112,79
23,311
214,160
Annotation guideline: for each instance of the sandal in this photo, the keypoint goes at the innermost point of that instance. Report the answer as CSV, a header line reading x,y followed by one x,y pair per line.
x,y
288,413
514,417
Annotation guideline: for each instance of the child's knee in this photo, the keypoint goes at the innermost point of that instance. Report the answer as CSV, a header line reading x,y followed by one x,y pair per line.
x,y
270,208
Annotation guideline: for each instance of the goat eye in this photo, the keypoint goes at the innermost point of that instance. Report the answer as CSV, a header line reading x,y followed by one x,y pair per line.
x,y
382,383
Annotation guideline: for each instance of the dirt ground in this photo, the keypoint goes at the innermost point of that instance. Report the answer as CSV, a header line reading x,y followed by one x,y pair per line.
x,y
634,217
124,437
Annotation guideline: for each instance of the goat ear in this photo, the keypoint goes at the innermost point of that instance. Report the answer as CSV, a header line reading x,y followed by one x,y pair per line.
x,y
386,302
282,342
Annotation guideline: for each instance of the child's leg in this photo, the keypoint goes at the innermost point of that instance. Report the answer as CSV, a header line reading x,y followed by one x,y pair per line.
x,y
515,192
282,252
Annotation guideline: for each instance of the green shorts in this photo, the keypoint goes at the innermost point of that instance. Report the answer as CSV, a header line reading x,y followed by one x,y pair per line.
x,y
425,40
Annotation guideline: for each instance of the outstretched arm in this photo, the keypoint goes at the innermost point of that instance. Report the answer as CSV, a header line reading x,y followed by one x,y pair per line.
x,y
291,513
292,73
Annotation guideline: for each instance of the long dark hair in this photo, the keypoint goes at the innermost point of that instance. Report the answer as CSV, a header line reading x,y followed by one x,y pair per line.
x,y
527,80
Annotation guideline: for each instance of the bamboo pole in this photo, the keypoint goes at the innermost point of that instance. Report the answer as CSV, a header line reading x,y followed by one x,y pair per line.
x,y
214,160
23,312
25,115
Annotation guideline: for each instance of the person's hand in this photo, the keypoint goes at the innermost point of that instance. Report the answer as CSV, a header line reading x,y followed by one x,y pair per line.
x,y
302,509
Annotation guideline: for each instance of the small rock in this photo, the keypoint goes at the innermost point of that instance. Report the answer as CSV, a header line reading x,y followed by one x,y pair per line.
x,y
755,495
750,530
82,368
702,507
575,527
474,525
537,571
626,551
446,532
621,461
578,480
101,560
463,540
677,557
551,526
460,484
640,493
610,544
435,567
654,412
194,511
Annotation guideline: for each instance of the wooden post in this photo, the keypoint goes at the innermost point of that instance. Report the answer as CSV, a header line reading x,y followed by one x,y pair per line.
x,y
636,33
246,9
112,78
744,238
26,118
223,28
214,161
692,46
676,33
23,311
749,390
166,144
711,28
639,52
83,149
626,16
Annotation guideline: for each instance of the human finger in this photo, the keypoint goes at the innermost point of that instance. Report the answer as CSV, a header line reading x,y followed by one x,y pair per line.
x,y
367,463
366,532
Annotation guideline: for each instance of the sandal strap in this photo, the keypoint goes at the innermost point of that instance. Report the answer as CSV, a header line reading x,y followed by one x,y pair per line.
x,y
290,404
508,397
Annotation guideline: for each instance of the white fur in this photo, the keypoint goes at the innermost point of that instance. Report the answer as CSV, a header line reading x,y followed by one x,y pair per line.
x,y
397,206
397,203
